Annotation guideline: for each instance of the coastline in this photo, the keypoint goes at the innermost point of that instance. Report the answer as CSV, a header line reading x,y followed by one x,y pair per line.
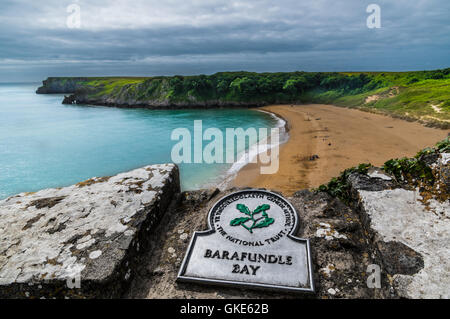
x,y
362,90
341,138
247,156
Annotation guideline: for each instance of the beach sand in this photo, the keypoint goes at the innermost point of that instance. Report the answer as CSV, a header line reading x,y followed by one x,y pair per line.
x,y
342,138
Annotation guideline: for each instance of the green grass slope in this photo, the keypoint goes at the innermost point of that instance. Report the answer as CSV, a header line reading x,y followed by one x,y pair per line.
x,y
416,95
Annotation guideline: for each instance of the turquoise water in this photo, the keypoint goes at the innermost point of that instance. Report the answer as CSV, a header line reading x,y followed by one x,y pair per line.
x,y
46,144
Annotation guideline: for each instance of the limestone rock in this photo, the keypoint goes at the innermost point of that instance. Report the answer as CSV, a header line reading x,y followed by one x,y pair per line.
x,y
81,240
61,85
341,251
339,262
411,232
70,99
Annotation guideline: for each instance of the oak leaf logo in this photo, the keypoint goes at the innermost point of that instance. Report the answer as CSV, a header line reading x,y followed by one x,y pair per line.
x,y
251,221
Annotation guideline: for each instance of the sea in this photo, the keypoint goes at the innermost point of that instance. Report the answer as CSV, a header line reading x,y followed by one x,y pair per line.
x,y
45,144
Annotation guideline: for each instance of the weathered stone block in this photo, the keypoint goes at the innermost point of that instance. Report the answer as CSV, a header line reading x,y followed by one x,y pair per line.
x,y
411,234
81,240
340,248
341,252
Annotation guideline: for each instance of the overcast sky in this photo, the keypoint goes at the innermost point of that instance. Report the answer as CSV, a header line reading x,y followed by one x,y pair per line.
x,y
118,37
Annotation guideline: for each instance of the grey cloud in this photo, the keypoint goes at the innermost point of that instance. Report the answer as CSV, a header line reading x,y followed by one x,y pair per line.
x,y
208,37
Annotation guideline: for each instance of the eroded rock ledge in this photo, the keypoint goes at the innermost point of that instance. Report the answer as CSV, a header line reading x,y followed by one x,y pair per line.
x,y
126,235
82,240
385,223
410,228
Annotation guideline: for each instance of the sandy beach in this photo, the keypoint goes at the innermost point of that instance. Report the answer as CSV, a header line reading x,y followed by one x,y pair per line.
x,y
341,138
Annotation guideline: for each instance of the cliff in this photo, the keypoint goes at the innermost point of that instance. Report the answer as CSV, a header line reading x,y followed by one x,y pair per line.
x,y
422,96
61,85
126,235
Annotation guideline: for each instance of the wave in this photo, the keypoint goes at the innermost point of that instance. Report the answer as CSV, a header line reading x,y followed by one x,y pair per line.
x,y
251,153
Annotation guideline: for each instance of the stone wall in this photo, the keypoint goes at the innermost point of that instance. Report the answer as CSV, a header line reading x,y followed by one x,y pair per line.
x,y
82,240
409,226
126,236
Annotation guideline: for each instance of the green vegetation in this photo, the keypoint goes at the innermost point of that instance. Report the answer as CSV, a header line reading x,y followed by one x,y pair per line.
x,y
418,95
415,171
411,167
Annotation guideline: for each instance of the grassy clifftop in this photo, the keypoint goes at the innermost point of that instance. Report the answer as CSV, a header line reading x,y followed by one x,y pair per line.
x,y
418,95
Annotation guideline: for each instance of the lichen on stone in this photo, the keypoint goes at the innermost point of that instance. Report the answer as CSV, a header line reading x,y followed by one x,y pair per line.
x,y
55,234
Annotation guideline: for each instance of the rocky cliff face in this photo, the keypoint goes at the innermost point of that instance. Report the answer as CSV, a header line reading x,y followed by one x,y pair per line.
x,y
164,103
60,85
153,93
126,236
367,91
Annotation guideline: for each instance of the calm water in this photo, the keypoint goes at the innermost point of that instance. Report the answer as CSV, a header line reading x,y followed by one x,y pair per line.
x,y
46,144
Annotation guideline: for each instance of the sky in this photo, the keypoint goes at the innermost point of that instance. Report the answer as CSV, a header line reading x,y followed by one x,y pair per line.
x,y
167,37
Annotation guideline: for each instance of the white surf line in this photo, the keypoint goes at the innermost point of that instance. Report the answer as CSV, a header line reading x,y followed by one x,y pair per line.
x,y
249,155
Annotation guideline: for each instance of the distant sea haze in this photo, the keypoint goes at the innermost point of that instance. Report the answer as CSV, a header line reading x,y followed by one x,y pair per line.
x,y
44,143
